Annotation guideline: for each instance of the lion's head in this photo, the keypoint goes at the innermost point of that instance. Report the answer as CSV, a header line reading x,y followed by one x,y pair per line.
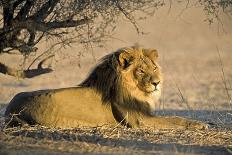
x,y
129,77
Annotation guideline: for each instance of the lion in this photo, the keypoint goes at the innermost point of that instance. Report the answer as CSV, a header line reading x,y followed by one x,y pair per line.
x,y
121,90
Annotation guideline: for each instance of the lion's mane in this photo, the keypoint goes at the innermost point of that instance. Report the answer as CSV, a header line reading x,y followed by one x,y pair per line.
x,y
106,79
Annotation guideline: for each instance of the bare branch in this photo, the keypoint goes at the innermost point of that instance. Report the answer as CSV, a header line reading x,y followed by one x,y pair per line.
x,y
25,9
44,27
45,59
224,76
8,12
67,23
17,3
45,10
29,73
31,40
127,15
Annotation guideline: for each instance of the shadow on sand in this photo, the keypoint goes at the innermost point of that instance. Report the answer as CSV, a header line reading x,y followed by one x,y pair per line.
x,y
134,144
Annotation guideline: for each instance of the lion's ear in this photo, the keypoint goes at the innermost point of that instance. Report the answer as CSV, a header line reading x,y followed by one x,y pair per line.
x,y
151,53
125,59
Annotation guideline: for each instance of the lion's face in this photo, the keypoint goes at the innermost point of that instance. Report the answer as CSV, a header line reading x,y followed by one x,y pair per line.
x,y
140,73
147,76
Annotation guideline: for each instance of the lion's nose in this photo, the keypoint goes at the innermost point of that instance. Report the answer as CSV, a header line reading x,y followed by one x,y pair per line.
x,y
155,83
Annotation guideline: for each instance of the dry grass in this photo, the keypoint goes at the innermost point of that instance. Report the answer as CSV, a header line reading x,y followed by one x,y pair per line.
x,y
102,140
119,140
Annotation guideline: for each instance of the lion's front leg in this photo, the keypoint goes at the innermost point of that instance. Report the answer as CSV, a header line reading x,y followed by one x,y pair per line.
x,y
173,122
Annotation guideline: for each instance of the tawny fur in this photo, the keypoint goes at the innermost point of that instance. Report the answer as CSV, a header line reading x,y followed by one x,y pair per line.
x,y
122,88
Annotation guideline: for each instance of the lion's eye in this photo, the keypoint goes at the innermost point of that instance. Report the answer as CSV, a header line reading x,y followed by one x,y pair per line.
x,y
155,68
141,71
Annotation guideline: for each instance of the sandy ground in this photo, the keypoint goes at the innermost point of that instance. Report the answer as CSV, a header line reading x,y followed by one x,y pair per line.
x,y
198,84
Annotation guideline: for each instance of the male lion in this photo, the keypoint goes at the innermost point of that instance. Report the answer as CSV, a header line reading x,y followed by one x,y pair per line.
x,y
121,89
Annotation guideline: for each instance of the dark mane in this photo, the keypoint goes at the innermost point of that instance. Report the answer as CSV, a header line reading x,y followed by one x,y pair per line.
x,y
106,79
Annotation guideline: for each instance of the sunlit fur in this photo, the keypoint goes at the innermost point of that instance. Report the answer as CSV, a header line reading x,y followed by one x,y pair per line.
x,y
122,89
121,86
125,83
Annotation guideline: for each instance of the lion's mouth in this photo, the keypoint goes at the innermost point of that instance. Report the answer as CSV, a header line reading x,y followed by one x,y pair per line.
x,y
152,91
149,89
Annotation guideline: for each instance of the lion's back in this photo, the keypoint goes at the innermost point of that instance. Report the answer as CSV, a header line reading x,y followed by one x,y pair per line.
x,y
26,105
65,107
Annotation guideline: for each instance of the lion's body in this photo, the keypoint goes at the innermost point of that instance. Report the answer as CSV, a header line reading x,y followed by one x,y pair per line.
x,y
65,108
122,89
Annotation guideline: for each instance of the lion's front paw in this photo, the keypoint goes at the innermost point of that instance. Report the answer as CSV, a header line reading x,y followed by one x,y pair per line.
x,y
198,125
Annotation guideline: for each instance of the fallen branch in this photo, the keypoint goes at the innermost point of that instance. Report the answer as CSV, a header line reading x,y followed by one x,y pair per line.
x,y
28,73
